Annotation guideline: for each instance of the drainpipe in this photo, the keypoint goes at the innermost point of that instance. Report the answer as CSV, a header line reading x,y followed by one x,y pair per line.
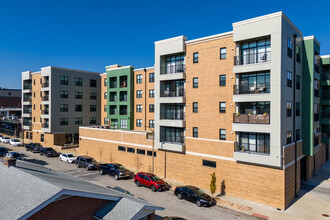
x,y
145,98
294,115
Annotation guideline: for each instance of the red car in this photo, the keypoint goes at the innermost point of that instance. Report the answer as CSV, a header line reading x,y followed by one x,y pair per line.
x,y
149,180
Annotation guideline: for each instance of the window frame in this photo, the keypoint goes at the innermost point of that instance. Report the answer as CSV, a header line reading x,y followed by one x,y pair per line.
x,y
221,80
64,80
209,163
152,79
139,94
139,79
195,84
288,109
221,53
195,132
195,58
92,83
221,135
195,108
78,81
221,108
151,108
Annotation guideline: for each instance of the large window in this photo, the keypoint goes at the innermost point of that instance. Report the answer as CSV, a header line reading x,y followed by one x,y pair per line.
x,y
195,132
92,83
79,81
92,108
173,112
253,142
123,123
223,53
64,94
195,107
123,110
79,95
113,82
138,108
195,57
112,110
288,109
151,77
151,93
64,80
64,108
139,94
113,97
173,64
289,79
138,122
253,83
92,120
255,52
222,80
151,108
289,52
172,134
78,108
222,107
139,79
92,95
222,134
195,82
173,89
63,121
78,121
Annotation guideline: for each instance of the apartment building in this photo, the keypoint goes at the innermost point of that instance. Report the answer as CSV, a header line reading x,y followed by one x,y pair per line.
x,y
56,101
229,103
10,98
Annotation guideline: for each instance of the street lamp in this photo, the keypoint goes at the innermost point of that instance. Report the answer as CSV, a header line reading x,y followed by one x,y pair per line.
x,y
153,148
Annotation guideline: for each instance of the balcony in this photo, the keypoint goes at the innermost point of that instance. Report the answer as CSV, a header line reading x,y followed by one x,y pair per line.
x,y
251,89
27,111
251,148
171,69
45,98
44,112
251,119
325,118
173,140
316,93
316,116
27,86
27,123
171,115
45,85
45,125
176,92
326,137
252,58
27,99
326,76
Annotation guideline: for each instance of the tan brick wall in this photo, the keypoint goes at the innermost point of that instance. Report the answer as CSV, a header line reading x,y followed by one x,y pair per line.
x,y
290,183
289,152
309,167
36,101
320,157
50,140
145,101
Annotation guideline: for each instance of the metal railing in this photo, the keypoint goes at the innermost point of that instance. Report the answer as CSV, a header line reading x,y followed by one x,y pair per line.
x,y
178,68
251,148
177,92
27,86
45,125
173,139
27,111
27,123
44,112
45,85
251,89
27,99
251,119
252,58
172,115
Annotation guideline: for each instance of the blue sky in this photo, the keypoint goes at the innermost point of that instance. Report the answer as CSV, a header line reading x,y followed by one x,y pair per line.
x,y
88,35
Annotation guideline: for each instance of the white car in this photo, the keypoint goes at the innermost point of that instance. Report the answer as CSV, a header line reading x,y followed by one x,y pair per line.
x,y
70,158
15,142
5,139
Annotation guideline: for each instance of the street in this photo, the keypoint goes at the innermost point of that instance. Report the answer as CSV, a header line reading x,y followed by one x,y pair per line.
x,y
166,199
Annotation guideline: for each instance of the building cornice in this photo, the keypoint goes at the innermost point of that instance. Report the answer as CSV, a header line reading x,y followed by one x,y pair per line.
x,y
210,38
118,68
312,37
62,68
147,68
171,39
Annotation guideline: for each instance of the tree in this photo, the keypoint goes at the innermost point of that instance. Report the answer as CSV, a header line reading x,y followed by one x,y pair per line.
x,y
213,186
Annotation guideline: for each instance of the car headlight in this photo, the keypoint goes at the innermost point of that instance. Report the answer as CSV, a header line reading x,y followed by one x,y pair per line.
x,y
120,173
202,200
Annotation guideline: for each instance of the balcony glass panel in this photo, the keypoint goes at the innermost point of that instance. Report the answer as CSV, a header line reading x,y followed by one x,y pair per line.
x,y
173,64
253,143
172,135
252,113
254,52
254,83
173,112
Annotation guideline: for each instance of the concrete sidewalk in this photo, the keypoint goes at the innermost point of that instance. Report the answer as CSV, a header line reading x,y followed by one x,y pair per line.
x,y
313,200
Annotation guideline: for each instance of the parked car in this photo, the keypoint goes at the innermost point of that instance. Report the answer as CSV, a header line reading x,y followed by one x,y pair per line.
x,y
119,189
3,151
86,162
15,142
70,158
193,194
114,169
14,155
149,180
48,152
33,147
5,139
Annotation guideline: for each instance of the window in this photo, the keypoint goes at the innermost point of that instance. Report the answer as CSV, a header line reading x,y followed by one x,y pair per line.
x,y
288,137
138,122
121,148
106,121
138,108
140,151
40,80
195,57
31,135
123,110
149,153
92,120
92,108
64,94
139,79
223,53
289,48
105,95
64,80
123,96
78,121
151,77
27,135
195,107
113,96
42,138
130,150
173,64
123,123
105,81
34,82
151,123
40,94
63,121
113,82
92,95
222,80
297,108
195,82
297,134
288,109
78,108
63,108
298,53
151,108
105,108
222,107
208,163
139,94
195,132
34,107
112,110
78,95
79,82
254,52
289,79
92,83
297,82
222,134
151,93
34,119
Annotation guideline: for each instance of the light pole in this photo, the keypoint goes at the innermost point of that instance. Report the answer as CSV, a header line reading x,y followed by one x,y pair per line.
x,y
153,148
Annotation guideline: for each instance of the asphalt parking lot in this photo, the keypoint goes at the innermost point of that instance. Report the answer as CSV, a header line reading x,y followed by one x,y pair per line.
x,y
166,199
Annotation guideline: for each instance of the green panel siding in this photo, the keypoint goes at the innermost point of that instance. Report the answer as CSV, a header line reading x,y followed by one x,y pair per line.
x,y
325,99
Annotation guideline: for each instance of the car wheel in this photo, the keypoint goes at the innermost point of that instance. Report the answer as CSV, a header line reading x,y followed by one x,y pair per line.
x,y
87,168
198,203
77,165
179,196
116,177
101,172
153,188
138,184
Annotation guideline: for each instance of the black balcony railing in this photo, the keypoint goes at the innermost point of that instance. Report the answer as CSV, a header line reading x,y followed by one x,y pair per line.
x,y
251,148
27,111
252,58
251,119
178,68
251,89
316,117
176,92
45,125
45,98
27,123
317,68
44,112
27,99
172,139
45,85
326,76
27,86
316,93
172,115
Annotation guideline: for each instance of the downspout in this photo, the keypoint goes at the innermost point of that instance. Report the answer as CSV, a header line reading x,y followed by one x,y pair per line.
x,y
294,114
145,99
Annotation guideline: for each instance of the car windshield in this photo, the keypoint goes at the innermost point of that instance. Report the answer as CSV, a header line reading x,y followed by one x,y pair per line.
x,y
15,140
70,155
154,178
90,160
49,149
119,167
199,192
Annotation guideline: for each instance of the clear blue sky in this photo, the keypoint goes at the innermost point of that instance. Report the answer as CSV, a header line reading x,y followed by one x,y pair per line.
x,y
90,34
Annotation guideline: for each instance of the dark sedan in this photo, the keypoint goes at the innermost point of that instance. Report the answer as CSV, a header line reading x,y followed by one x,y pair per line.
x,y
193,194
3,151
33,147
48,152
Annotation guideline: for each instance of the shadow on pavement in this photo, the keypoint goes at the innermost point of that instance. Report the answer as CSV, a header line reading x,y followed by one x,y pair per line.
x,y
40,162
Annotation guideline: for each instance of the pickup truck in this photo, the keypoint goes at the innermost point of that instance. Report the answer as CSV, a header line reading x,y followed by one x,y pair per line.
x,y
114,169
